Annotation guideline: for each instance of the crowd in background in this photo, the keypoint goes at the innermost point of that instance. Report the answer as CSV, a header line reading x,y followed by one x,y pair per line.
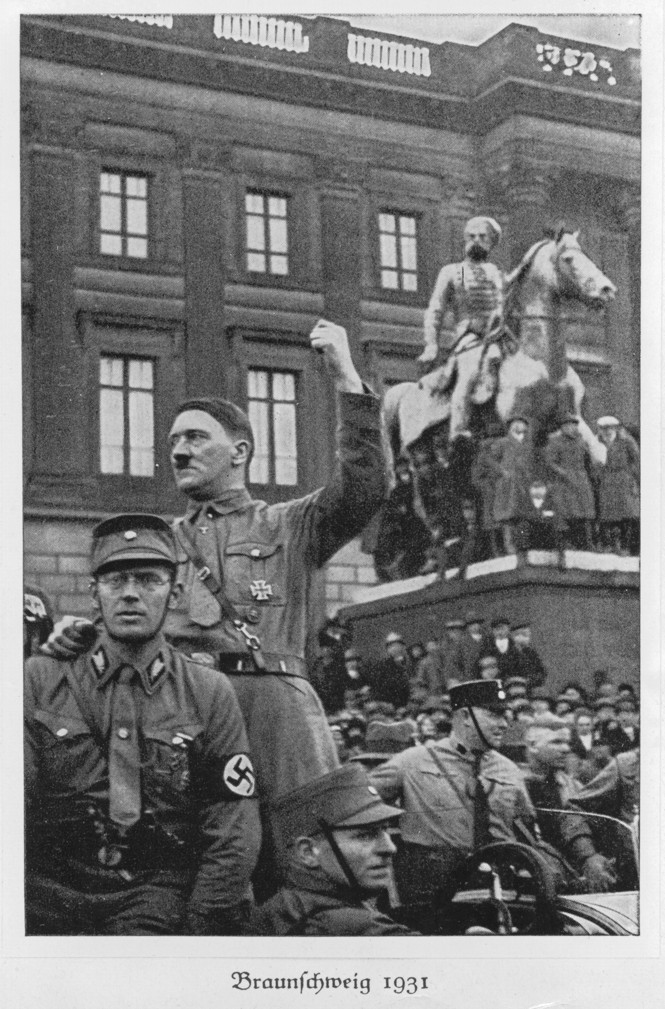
x,y
455,505
381,706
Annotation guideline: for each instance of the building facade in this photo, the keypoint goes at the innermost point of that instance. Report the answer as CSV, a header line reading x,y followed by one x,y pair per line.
x,y
198,190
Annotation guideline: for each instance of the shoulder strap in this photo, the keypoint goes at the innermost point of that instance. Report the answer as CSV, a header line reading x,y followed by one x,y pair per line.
x,y
229,612
446,773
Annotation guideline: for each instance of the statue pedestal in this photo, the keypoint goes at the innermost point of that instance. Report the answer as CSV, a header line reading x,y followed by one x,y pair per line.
x,y
584,617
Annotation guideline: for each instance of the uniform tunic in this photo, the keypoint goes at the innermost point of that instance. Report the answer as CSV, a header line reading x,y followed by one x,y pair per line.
x,y
310,906
571,488
269,559
202,836
472,291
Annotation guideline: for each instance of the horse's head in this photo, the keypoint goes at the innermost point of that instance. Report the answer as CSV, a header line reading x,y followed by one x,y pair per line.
x,y
579,277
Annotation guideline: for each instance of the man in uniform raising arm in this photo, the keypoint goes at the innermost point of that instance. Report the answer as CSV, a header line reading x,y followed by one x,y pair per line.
x,y
266,560
140,818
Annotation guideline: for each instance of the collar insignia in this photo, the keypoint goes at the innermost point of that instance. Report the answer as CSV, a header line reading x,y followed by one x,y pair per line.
x,y
156,669
100,662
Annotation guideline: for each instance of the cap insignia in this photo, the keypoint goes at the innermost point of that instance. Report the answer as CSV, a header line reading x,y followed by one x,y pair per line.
x,y
371,789
130,534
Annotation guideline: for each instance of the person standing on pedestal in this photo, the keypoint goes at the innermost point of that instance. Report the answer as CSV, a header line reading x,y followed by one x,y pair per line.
x,y
566,456
618,486
511,460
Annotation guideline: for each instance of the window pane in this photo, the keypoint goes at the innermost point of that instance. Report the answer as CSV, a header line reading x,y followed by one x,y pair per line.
x,y
255,233
109,213
110,370
409,282
137,248
140,374
277,234
408,254
407,225
277,206
259,469
110,245
286,470
283,386
111,430
256,262
388,246
386,222
254,203
389,279
136,185
137,217
109,183
141,434
257,384
279,264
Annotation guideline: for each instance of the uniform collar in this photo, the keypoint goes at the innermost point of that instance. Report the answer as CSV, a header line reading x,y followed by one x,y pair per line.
x,y
231,501
108,658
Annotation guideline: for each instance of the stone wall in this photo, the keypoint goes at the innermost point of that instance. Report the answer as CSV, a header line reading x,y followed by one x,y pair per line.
x,y
348,569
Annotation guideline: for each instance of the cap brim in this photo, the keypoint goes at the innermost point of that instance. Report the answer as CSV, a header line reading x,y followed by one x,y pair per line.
x,y
373,814
136,555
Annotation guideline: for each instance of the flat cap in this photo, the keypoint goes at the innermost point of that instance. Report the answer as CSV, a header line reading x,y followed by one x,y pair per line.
x,y
452,624
472,618
517,416
499,621
393,637
608,422
478,694
516,681
342,798
388,738
132,536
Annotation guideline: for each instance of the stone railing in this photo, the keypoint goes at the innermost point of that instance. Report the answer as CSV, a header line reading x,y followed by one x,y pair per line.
x,y
389,55
569,61
158,20
257,30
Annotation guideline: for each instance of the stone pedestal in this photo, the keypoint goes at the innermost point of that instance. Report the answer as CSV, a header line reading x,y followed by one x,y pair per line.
x,y
581,620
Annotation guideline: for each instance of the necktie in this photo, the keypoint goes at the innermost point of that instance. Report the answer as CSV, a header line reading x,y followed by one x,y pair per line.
x,y
481,810
124,755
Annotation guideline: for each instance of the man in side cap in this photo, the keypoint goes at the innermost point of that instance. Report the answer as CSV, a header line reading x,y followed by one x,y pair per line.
x,y
141,817
251,571
473,291
336,854
458,793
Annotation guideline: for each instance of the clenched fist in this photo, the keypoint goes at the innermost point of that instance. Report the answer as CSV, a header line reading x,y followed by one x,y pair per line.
x,y
331,340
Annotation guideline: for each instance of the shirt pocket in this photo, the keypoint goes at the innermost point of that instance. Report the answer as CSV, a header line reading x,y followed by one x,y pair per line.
x,y
167,761
68,751
254,573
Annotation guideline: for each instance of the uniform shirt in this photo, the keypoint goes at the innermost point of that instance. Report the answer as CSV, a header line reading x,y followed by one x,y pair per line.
x,y
192,777
308,906
472,291
568,833
615,791
438,814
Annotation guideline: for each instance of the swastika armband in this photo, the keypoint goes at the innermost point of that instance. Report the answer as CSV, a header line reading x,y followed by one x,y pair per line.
x,y
238,777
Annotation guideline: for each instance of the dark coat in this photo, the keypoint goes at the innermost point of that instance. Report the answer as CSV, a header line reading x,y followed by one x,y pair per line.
x,y
508,661
484,476
530,666
619,482
566,458
465,657
390,681
511,460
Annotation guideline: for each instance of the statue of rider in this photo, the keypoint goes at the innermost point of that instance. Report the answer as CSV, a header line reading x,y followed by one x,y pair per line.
x,y
473,291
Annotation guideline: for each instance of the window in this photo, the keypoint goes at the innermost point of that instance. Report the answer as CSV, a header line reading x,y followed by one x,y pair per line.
x,y
267,233
271,405
126,416
123,215
397,251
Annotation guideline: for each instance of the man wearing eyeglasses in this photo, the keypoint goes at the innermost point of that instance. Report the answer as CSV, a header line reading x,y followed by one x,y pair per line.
x,y
141,816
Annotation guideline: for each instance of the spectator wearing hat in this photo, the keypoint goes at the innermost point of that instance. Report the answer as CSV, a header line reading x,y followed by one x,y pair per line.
x,y
384,739
433,670
458,793
488,667
403,539
484,476
391,678
618,486
542,701
528,661
550,787
629,724
503,648
473,643
37,619
567,458
542,526
581,742
328,675
335,850
466,547
141,810
511,460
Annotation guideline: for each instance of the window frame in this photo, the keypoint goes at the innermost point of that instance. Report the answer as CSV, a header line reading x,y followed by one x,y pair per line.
x,y
429,215
126,433
124,173
267,194
397,215
297,404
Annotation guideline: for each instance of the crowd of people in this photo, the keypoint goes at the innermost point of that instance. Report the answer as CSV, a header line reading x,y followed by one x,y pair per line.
x,y
478,499
183,775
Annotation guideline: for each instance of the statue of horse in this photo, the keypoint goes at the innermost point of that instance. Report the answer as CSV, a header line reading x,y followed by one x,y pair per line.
x,y
535,379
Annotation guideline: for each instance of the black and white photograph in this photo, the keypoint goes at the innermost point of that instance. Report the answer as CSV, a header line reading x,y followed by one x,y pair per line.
x,y
340,349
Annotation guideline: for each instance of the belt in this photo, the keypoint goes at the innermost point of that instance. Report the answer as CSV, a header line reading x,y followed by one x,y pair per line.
x,y
241,664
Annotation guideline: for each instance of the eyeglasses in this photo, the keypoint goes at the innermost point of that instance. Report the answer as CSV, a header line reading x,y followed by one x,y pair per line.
x,y
149,581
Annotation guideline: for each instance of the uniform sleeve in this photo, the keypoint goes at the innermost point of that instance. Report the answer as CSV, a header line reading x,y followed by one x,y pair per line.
x,y
329,518
388,779
601,794
436,309
229,821
354,921
30,751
